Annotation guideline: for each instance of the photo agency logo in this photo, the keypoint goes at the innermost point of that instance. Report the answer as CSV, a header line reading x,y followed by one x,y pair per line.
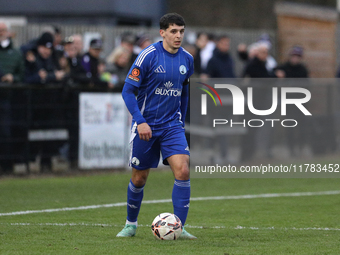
x,y
239,102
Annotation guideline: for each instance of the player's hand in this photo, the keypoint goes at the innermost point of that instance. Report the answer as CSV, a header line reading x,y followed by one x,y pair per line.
x,y
144,131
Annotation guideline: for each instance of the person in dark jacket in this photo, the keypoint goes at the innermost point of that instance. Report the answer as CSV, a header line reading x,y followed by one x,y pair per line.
x,y
57,49
258,140
39,65
221,64
90,62
298,138
294,68
256,67
76,71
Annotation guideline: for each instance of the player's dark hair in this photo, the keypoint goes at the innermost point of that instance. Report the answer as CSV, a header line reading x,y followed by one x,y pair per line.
x,y
170,19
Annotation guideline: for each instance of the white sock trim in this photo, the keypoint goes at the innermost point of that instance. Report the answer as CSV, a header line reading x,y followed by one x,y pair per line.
x,y
131,223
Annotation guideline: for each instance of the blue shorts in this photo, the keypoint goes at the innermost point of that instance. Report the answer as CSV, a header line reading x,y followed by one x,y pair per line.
x,y
168,141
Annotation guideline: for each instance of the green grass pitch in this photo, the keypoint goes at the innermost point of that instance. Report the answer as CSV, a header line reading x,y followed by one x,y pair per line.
x,y
277,225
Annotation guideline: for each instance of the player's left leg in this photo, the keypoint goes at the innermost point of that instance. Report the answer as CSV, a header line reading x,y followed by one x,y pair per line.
x,y
179,164
175,152
181,191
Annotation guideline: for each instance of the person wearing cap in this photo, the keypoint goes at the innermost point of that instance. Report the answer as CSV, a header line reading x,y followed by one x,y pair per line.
x,y
90,62
77,72
294,68
142,42
39,66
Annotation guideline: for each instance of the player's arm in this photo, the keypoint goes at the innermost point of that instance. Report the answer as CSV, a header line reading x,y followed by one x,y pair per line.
x,y
143,128
133,81
185,99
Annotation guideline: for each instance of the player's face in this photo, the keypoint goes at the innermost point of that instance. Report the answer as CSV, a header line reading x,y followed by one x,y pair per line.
x,y
172,37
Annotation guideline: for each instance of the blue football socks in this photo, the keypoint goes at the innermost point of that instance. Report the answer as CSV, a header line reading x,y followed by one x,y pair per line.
x,y
134,201
181,199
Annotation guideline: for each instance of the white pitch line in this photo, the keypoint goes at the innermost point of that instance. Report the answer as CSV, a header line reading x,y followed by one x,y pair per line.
x,y
267,195
186,226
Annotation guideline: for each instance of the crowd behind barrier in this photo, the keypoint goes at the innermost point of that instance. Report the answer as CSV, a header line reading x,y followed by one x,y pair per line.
x,y
41,80
30,111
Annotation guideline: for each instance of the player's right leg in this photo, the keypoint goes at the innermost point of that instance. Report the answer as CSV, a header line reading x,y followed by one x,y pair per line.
x,y
134,201
144,155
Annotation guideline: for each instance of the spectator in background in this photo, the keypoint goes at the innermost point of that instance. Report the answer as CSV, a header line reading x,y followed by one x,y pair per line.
x,y
78,43
221,64
142,42
78,74
270,61
207,52
90,62
11,71
256,67
298,138
118,66
205,47
57,51
294,68
128,42
258,140
11,62
201,42
247,54
40,67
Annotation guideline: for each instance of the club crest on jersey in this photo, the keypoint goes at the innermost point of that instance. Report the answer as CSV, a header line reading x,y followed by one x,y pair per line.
x,y
182,69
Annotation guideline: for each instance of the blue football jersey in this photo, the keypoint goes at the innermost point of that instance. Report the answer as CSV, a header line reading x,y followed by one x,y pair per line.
x,y
159,77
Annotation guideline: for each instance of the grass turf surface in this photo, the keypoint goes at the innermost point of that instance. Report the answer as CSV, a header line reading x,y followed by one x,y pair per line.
x,y
279,225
